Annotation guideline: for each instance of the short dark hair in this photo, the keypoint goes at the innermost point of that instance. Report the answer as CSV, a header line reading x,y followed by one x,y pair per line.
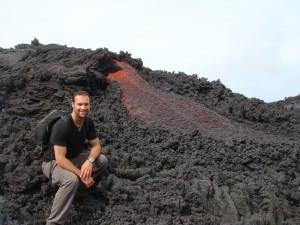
x,y
84,93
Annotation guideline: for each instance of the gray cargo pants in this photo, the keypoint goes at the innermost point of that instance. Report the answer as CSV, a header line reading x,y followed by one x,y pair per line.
x,y
68,184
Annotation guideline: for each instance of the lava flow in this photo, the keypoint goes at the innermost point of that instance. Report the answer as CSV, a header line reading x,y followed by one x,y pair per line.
x,y
154,106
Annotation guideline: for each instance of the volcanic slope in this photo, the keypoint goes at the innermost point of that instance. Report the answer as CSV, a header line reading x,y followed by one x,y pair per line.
x,y
181,150
175,112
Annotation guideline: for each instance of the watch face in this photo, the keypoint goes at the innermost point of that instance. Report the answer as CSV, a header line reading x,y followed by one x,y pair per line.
x,y
91,159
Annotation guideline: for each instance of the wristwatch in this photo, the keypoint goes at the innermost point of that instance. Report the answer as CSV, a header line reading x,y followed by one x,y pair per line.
x,y
91,159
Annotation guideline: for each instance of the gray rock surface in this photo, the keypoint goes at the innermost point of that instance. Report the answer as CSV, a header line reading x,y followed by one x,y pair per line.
x,y
157,173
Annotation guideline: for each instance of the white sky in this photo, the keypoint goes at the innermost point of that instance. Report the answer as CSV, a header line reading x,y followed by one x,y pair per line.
x,y
252,46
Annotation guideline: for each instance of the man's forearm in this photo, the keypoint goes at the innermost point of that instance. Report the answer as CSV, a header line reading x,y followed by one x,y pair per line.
x,y
95,151
68,165
96,148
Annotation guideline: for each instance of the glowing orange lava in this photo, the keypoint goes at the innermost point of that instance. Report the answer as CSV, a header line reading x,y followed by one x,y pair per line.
x,y
158,107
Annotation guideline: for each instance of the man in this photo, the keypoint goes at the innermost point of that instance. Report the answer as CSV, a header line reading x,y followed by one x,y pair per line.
x,y
71,165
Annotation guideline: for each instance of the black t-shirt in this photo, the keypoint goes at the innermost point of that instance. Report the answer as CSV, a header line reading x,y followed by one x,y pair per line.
x,y
65,133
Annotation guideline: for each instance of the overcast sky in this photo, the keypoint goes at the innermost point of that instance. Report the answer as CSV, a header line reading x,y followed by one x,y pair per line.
x,y
252,46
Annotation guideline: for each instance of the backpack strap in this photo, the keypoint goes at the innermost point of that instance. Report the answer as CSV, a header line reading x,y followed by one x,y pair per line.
x,y
66,118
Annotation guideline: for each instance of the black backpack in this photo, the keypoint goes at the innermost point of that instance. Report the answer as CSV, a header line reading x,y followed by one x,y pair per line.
x,y
43,129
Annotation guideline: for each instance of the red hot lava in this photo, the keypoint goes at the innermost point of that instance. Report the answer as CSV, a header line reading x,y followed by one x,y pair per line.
x,y
154,106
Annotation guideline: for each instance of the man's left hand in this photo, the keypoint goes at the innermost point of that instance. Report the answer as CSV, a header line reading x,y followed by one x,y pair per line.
x,y
86,170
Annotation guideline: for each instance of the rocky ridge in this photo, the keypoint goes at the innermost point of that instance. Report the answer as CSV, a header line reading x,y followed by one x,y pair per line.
x,y
157,174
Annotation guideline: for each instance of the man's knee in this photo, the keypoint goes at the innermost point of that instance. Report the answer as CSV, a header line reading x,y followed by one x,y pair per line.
x,y
103,161
71,180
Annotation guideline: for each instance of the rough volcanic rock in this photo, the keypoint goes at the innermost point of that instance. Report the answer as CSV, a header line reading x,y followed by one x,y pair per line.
x,y
221,159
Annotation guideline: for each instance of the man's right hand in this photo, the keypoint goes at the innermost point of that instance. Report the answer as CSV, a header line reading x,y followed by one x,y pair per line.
x,y
88,182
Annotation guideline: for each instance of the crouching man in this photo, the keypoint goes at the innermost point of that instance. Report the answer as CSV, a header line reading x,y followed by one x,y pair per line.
x,y
66,162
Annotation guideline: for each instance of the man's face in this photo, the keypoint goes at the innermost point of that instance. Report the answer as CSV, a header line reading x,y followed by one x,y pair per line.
x,y
81,105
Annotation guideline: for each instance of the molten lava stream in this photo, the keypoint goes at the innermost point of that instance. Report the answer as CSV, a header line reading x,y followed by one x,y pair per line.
x,y
154,106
